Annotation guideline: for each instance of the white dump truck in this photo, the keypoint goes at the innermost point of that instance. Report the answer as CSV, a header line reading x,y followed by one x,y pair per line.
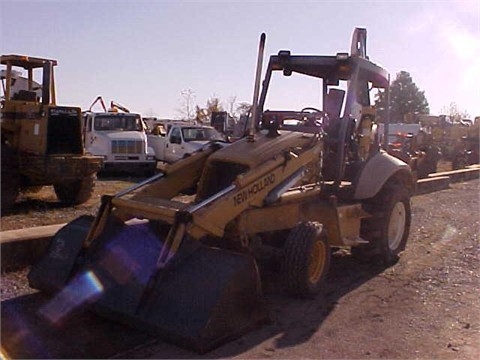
x,y
120,137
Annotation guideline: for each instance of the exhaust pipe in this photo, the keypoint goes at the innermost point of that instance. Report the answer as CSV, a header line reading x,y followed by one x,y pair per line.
x,y
256,91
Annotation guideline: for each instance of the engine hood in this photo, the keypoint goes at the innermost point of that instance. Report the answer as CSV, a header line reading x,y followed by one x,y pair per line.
x,y
263,148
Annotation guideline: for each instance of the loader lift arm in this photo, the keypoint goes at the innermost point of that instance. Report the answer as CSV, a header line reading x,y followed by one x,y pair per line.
x,y
210,216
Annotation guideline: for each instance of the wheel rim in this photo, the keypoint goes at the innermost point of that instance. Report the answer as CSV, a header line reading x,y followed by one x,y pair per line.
x,y
317,262
396,226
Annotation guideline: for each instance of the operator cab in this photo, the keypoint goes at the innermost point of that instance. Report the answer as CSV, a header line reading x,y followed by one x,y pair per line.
x,y
341,109
34,86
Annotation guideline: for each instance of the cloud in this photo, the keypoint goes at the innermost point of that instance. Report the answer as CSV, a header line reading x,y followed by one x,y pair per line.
x,y
465,48
464,45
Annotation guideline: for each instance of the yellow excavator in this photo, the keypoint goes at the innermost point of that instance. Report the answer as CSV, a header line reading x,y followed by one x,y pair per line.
x,y
178,254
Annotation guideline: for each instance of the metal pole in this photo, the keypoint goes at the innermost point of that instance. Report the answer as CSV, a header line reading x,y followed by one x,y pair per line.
x,y
387,118
253,121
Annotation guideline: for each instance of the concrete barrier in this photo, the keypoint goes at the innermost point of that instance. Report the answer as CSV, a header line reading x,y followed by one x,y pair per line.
x,y
22,247
469,173
47,231
428,185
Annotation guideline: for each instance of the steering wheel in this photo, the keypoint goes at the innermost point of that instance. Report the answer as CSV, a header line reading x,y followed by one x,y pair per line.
x,y
312,119
311,109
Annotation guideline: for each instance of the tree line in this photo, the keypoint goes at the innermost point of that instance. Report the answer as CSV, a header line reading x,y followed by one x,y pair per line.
x,y
191,111
406,100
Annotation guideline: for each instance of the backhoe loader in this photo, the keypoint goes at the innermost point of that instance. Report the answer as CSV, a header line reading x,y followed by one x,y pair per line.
x,y
179,253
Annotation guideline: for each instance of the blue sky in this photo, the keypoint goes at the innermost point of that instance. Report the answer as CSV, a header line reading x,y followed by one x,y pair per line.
x,y
143,54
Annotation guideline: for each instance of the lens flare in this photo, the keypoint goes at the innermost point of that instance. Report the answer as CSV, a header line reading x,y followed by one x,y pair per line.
x,y
81,289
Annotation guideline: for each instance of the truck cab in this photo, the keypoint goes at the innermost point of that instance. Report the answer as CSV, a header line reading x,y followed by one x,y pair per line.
x,y
172,142
121,139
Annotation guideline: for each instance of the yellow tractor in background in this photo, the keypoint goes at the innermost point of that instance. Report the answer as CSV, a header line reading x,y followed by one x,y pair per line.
x,y
179,253
457,139
413,144
467,151
41,142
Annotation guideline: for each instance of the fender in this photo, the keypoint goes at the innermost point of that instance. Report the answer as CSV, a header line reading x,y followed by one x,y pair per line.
x,y
377,171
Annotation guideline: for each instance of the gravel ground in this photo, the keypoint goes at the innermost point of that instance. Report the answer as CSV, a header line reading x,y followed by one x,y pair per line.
x,y
426,306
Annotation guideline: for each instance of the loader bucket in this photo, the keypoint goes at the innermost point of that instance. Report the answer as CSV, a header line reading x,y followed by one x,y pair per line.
x,y
55,267
201,299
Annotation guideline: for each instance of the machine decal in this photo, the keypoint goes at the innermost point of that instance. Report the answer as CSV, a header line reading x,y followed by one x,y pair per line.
x,y
253,189
63,111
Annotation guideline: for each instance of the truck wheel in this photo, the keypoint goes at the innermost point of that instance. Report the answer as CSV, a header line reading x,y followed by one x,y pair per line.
x,y
75,192
388,229
306,259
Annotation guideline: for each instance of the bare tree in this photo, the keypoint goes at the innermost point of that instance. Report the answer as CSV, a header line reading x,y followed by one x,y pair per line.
x,y
187,109
454,112
243,108
231,105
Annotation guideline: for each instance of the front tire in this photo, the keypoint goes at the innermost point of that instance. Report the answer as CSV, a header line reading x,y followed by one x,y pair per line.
x,y
388,229
306,259
75,192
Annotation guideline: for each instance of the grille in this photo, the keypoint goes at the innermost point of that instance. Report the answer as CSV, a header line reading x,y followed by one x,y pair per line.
x,y
127,147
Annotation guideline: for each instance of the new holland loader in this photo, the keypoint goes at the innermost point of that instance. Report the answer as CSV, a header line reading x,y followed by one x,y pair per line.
x,y
178,254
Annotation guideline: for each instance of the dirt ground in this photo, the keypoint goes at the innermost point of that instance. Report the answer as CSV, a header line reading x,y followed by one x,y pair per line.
x,y
43,208
424,307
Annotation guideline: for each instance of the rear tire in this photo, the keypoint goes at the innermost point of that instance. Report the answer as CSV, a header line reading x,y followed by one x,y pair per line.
x,y
388,229
10,178
75,192
306,259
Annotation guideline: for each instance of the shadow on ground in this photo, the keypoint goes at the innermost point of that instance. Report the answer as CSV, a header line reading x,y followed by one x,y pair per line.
x,y
25,334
